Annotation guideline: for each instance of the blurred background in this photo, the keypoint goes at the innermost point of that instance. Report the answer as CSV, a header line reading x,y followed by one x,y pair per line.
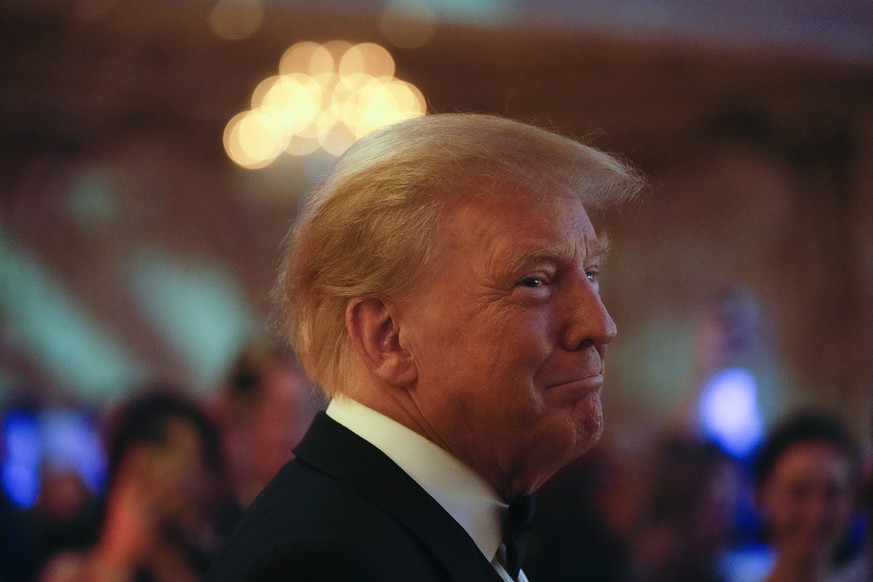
x,y
143,201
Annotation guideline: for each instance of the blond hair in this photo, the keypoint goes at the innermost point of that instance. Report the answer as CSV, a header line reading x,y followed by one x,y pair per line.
x,y
370,226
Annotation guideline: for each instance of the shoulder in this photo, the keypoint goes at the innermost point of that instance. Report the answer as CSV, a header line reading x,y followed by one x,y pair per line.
x,y
316,562
309,526
302,504
330,562
327,561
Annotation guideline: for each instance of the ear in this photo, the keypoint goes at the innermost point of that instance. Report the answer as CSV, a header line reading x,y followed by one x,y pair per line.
x,y
373,328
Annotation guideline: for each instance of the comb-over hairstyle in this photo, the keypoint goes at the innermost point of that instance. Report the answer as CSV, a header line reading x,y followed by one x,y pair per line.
x,y
370,226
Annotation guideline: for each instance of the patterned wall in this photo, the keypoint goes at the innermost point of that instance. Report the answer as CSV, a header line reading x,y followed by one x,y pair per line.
x,y
133,249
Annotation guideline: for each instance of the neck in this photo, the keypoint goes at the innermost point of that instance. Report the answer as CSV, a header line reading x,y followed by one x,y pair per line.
x,y
396,404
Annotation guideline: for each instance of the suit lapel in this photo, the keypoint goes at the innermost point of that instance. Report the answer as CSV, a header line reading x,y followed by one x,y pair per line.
x,y
335,450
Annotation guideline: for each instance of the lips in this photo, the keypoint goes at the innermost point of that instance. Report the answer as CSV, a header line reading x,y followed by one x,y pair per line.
x,y
588,383
575,371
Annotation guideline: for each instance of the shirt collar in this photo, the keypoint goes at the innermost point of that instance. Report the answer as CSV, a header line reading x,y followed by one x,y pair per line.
x,y
465,495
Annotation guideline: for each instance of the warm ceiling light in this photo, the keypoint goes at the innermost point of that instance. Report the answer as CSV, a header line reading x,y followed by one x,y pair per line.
x,y
325,96
252,140
369,58
236,19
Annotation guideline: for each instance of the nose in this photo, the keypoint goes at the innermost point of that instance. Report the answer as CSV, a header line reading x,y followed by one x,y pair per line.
x,y
588,323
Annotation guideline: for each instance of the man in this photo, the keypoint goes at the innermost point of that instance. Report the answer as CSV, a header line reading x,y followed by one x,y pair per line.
x,y
441,286
264,408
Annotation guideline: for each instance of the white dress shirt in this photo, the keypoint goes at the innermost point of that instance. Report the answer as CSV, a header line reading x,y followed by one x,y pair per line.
x,y
466,496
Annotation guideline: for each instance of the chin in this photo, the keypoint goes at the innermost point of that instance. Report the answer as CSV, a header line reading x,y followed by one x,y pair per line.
x,y
558,438
588,416
579,436
551,459
587,438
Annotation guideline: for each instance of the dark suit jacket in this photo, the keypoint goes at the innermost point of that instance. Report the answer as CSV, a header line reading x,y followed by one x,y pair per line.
x,y
343,511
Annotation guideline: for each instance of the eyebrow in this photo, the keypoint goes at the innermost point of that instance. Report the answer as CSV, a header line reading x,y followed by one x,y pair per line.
x,y
597,250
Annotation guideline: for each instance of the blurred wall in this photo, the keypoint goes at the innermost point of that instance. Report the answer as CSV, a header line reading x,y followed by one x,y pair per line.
x,y
133,249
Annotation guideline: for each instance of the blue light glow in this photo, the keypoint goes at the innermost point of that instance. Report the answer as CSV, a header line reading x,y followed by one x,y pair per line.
x,y
70,442
729,411
20,471
55,440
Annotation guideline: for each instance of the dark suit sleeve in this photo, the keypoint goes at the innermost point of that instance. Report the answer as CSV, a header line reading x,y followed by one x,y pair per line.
x,y
316,563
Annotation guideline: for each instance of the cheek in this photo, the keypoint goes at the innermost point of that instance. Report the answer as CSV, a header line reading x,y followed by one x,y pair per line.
x,y
837,512
788,517
774,505
489,355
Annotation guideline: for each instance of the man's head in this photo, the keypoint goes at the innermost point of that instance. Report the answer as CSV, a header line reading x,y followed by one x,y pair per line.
x,y
266,405
446,272
163,451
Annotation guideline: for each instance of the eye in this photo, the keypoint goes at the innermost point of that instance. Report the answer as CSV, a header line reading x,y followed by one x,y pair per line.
x,y
532,282
593,275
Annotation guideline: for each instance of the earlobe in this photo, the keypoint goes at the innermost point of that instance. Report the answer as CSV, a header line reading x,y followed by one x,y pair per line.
x,y
375,336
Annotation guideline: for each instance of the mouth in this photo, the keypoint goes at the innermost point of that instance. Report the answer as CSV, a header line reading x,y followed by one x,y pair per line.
x,y
591,383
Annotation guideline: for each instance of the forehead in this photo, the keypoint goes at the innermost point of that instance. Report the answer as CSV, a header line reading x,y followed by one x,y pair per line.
x,y
182,433
519,223
811,459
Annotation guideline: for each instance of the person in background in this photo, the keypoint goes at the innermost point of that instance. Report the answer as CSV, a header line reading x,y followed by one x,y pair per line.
x,y
687,515
263,411
164,460
584,520
65,517
806,484
442,287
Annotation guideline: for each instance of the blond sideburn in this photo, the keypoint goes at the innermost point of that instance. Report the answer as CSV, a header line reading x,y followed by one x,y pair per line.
x,y
371,226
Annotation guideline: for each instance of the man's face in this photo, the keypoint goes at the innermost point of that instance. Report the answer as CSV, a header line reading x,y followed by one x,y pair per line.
x,y
279,420
172,482
509,337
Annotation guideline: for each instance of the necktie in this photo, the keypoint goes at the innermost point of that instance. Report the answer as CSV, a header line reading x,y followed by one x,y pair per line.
x,y
515,532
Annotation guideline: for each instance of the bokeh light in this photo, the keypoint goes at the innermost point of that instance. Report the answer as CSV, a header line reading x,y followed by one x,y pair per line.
x,y
236,19
252,139
368,58
326,96
729,411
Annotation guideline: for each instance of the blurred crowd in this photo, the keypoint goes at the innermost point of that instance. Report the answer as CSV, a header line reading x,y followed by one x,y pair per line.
x,y
179,470
797,509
